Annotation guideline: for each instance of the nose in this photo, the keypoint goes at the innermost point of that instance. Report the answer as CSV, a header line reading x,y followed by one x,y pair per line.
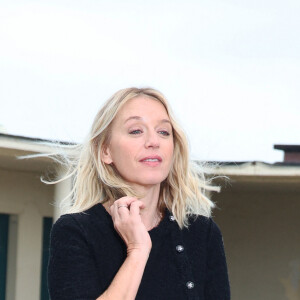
x,y
152,140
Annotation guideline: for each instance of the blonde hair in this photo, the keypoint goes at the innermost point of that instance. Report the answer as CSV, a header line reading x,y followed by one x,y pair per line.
x,y
183,192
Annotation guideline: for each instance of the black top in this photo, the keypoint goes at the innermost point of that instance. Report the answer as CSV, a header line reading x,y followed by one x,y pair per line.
x,y
86,253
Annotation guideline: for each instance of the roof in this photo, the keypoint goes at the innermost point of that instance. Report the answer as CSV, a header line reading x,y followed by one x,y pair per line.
x,y
288,148
33,139
12,147
237,163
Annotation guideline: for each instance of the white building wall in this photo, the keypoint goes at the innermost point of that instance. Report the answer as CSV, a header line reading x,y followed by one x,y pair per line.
x,y
261,229
22,194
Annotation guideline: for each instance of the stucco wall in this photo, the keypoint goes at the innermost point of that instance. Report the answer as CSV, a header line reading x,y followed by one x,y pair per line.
x,y
261,230
18,189
23,195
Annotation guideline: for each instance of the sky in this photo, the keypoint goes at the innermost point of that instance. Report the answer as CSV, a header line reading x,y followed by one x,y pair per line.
x,y
230,69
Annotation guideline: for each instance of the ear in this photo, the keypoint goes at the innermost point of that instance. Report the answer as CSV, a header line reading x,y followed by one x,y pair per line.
x,y
106,155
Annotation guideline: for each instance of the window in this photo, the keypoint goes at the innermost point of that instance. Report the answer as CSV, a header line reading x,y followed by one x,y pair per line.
x,y
4,224
47,224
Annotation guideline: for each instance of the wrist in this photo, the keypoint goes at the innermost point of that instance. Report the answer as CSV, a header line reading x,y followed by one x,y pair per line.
x,y
138,253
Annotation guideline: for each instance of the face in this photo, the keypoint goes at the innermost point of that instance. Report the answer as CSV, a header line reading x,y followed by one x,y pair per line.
x,y
141,143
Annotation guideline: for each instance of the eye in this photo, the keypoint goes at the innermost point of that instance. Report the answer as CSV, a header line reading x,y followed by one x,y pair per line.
x,y
136,131
164,132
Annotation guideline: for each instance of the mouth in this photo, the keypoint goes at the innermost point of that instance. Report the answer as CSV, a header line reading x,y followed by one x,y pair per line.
x,y
151,161
155,158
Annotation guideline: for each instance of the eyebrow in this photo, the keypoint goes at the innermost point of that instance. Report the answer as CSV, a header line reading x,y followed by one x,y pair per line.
x,y
140,118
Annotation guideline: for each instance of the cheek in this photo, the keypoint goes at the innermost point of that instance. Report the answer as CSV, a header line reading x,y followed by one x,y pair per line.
x,y
170,150
171,156
123,152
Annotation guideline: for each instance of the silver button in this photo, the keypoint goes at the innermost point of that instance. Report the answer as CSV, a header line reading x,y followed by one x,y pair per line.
x,y
172,218
179,248
190,285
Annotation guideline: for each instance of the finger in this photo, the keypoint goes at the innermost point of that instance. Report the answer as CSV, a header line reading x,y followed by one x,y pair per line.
x,y
136,207
125,201
114,208
123,213
122,207
123,204
123,210
118,214
120,202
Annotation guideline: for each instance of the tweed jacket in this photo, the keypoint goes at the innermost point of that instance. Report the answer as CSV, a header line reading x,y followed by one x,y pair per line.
x,y
86,253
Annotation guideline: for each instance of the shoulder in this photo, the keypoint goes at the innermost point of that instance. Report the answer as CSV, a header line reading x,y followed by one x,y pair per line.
x,y
201,223
66,231
96,212
210,231
72,272
203,228
78,224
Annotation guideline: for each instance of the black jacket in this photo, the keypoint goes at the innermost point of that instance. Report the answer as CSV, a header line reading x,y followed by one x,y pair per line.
x,y
86,253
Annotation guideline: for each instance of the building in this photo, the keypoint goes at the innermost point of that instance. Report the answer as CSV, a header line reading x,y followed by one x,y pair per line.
x,y
27,212
258,213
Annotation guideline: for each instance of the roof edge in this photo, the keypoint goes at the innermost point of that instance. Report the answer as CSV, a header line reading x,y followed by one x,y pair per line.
x,y
34,139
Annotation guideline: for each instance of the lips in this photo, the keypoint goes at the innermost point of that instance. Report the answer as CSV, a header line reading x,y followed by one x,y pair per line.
x,y
150,159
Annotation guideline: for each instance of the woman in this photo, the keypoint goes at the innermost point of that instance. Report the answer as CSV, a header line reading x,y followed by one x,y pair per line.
x,y
139,226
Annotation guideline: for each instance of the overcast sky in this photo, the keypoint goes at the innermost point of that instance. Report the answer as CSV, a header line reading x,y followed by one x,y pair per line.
x,y
230,69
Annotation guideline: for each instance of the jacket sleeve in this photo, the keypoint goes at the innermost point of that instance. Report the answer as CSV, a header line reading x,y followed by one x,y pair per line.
x,y
217,281
72,272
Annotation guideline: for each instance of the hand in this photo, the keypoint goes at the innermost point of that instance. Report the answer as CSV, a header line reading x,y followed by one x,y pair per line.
x,y
127,221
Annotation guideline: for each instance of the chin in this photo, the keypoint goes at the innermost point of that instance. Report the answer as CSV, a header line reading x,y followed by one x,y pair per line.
x,y
150,181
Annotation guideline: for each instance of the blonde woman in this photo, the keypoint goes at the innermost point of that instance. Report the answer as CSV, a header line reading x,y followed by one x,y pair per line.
x,y
139,226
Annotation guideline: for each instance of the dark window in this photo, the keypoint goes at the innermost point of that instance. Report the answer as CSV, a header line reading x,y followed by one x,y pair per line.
x,y
47,224
4,221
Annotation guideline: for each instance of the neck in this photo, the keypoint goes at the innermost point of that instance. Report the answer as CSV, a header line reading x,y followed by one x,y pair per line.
x,y
150,214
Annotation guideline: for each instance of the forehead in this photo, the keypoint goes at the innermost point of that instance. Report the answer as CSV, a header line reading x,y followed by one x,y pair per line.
x,y
144,107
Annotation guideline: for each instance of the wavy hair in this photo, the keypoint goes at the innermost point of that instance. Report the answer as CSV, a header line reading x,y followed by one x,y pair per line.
x,y
184,192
